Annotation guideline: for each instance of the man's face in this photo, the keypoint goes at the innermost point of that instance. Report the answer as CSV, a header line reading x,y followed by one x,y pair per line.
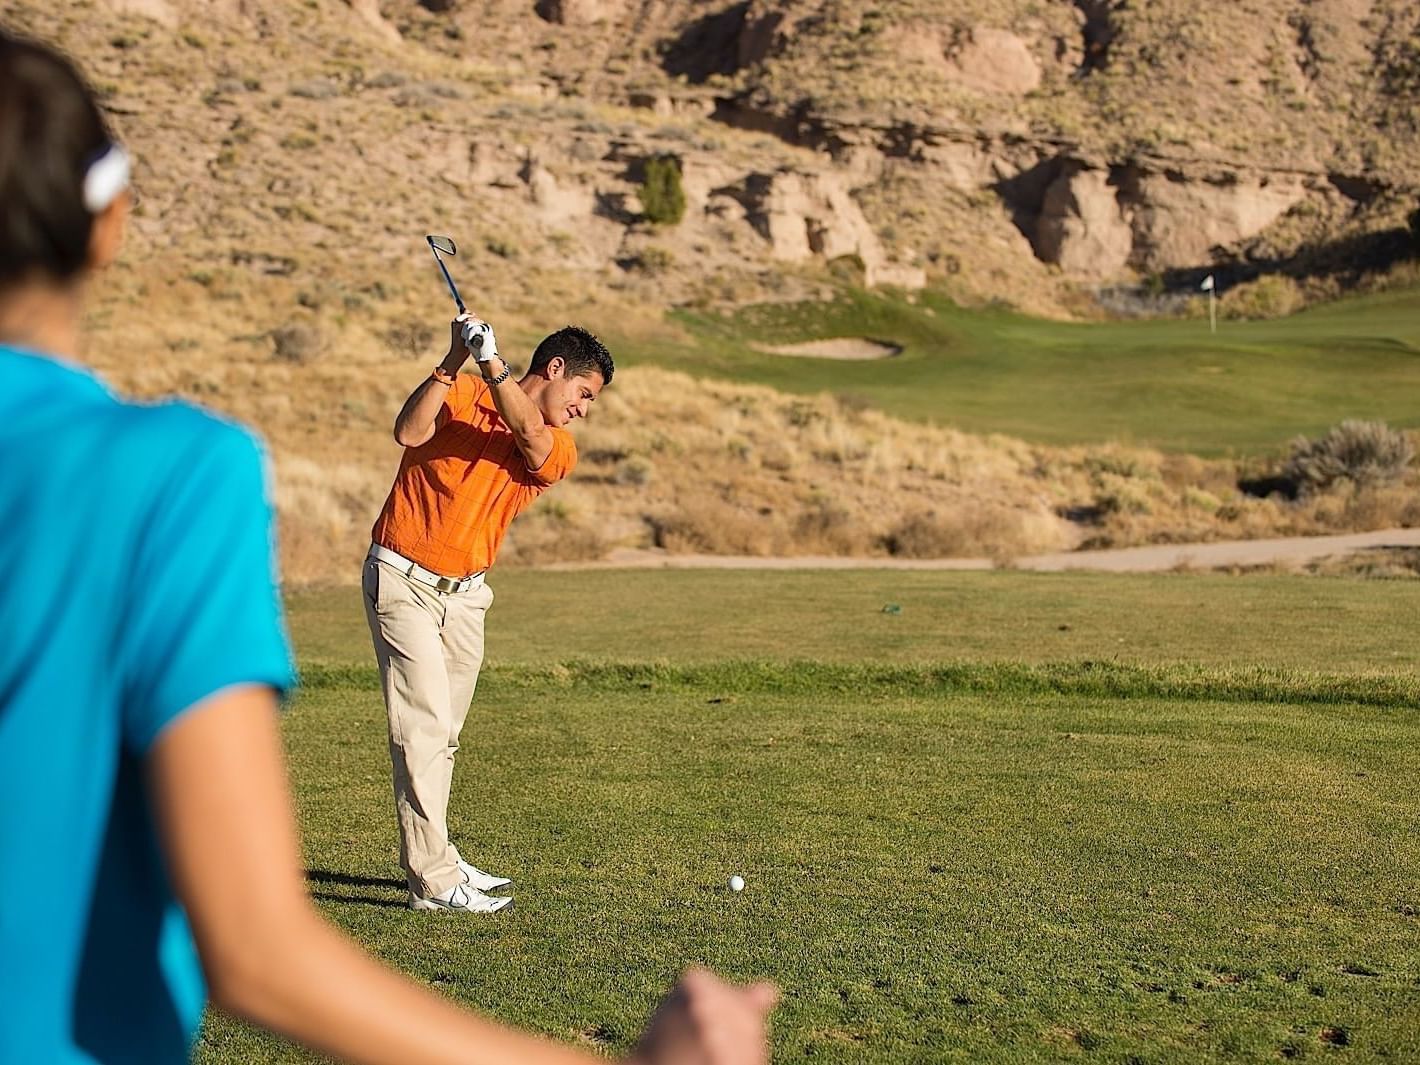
x,y
566,398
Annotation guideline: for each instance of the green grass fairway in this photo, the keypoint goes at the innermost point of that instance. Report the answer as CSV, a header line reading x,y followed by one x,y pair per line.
x,y
699,616
1170,384
1195,845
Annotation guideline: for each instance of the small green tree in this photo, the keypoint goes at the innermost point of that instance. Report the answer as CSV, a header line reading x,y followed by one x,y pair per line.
x,y
661,193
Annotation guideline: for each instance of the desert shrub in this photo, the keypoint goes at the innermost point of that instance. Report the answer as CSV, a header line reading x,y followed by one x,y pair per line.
x,y
1414,221
317,89
1270,296
1375,563
712,525
661,193
1117,463
297,342
826,527
635,471
974,529
1364,453
652,260
551,534
848,268
1200,499
1118,495
410,337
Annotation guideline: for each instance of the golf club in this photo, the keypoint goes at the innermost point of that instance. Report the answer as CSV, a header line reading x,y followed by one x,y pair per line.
x,y
448,247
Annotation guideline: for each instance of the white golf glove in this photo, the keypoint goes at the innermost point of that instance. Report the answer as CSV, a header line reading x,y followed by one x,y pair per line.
x,y
479,339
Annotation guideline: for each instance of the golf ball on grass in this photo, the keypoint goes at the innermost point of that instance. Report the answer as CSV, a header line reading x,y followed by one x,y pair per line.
x,y
737,883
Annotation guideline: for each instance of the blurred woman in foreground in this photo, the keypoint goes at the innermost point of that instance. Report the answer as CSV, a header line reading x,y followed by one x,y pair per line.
x,y
147,839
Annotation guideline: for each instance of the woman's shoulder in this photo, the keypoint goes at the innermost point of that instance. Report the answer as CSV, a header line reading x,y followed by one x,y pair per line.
x,y
51,395
177,441
177,424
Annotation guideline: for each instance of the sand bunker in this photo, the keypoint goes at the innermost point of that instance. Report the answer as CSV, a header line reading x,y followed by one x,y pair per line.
x,y
836,348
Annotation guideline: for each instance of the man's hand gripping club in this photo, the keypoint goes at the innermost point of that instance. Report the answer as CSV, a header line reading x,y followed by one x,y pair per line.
x,y
419,418
478,338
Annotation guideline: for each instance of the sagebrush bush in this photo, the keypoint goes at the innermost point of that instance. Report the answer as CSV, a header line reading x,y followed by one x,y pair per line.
x,y
661,193
411,337
297,342
977,529
1364,453
1269,296
653,260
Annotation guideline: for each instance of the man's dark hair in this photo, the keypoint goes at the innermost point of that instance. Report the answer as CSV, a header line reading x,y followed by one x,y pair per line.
x,y
578,349
51,130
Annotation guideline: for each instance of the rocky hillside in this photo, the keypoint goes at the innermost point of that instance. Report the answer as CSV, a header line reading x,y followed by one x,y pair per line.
x,y
1023,150
291,155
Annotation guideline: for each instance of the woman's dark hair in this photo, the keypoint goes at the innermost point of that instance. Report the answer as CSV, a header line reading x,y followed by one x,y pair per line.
x,y
579,350
51,130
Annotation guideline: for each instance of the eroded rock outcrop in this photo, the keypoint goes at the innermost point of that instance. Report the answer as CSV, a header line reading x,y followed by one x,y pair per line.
x,y
1082,226
1179,221
811,214
992,61
163,12
369,13
1095,221
578,12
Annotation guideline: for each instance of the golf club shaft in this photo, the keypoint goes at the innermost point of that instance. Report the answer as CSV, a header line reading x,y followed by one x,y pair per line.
x,y
453,289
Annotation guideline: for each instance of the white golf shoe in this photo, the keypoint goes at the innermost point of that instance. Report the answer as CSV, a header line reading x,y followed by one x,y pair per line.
x,y
463,899
479,880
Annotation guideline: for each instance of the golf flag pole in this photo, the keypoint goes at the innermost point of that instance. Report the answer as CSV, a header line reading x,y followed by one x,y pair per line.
x,y
1209,288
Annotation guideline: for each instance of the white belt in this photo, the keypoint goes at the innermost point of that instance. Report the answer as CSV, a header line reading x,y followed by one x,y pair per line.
x,y
415,571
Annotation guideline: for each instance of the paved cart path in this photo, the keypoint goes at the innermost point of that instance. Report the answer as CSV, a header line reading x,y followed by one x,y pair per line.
x,y
1153,559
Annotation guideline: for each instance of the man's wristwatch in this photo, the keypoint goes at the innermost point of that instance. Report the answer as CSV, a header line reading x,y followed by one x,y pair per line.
x,y
507,373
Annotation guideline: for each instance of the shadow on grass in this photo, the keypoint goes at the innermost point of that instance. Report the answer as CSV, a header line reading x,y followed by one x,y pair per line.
x,y
328,879
325,876
358,900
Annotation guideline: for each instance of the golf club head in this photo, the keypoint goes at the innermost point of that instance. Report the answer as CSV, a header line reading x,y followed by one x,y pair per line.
x,y
446,245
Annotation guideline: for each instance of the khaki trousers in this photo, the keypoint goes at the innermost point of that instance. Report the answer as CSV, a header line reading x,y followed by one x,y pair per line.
x,y
429,646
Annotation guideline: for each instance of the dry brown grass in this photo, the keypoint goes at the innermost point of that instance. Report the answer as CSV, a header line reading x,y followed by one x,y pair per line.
x,y
696,466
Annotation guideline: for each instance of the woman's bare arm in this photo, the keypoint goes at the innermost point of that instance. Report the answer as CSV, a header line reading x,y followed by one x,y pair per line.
x,y
218,782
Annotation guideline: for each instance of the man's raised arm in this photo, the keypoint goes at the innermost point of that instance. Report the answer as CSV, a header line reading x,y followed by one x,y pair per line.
x,y
520,414
418,419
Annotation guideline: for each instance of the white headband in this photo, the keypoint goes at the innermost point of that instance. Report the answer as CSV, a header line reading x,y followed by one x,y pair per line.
x,y
107,176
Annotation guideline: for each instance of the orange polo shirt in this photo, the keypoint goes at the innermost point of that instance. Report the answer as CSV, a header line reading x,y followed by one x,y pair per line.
x,y
456,494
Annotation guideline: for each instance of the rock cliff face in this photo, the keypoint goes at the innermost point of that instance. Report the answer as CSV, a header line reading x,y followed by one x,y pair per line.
x,y
1119,137
1098,221
1007,148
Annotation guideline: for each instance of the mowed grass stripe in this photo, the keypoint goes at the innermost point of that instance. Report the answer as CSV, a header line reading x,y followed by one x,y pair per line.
x,y
1092,678
1330,625
985,877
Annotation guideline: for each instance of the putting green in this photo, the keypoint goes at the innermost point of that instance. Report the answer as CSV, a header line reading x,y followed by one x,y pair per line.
x,y
1171,384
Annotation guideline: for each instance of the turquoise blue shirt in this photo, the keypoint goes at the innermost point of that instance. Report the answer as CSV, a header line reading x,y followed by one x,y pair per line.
x,y
136,579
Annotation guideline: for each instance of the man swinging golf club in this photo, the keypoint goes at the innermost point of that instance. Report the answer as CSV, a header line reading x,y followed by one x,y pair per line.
x,y
478,451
